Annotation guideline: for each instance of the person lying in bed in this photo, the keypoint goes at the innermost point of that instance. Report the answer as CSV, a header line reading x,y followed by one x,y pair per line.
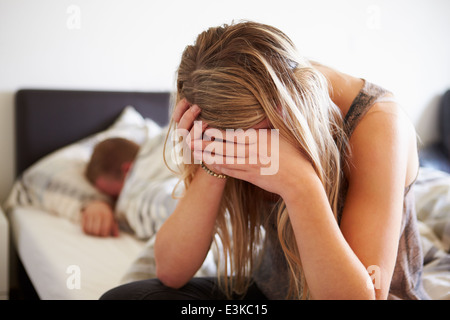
x,y
107,169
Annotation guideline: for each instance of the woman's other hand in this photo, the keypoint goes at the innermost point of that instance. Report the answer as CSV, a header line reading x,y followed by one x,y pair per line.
x,y
259,156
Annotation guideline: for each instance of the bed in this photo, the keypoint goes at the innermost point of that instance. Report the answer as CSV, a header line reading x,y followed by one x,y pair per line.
x,y
61,261
56,130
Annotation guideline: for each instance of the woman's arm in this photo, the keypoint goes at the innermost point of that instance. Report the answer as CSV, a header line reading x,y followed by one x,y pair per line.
x,y
384,162
184,240
332,269
336,261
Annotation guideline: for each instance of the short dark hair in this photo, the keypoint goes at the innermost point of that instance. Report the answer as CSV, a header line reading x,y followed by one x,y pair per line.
x,y
108,157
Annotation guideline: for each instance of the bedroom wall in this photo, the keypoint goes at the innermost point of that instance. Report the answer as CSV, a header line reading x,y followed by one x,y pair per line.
x,y
136,45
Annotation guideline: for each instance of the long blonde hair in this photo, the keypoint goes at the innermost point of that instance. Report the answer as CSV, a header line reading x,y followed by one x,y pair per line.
x,y
239,75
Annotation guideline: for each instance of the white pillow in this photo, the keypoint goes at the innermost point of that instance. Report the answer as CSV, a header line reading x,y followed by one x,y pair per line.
x,y
146,199
57,183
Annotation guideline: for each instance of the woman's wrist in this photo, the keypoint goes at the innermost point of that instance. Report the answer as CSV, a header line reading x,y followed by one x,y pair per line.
x,y
301,188
212,172
209,177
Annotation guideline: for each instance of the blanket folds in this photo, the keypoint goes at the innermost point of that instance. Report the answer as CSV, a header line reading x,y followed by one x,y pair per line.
x,y
432,191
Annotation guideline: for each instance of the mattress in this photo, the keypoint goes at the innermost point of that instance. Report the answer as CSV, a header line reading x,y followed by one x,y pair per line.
x,y
62,262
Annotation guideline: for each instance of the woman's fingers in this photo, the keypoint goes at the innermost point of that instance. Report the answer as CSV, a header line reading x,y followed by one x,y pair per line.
x,y
257,154
225,148
194,138
180,109
248,144
187,119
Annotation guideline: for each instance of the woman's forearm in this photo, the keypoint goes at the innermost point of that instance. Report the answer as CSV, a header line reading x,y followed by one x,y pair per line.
x,y
331,268
184,240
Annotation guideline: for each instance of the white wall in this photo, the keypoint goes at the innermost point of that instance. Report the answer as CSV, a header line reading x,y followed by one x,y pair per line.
x,y
136,45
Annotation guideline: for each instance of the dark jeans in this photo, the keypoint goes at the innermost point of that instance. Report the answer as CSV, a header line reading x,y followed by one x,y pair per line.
x,y
196,289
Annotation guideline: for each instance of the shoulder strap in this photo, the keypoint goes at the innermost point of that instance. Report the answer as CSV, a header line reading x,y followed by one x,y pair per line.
x,y
365,99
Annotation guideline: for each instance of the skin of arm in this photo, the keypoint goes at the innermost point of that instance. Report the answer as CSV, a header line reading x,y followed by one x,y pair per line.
x,y
335,261
383,165
184,240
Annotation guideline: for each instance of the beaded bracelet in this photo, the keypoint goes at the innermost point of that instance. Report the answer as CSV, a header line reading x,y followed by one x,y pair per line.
x,y
214,174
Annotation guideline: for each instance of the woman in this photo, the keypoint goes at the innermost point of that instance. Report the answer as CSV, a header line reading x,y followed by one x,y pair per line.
x,y
336,220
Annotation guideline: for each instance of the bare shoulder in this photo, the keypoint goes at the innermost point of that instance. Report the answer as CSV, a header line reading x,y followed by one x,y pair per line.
x,y
384,137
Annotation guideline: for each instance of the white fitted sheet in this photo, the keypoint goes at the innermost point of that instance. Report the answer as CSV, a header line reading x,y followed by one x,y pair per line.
x,y
55,253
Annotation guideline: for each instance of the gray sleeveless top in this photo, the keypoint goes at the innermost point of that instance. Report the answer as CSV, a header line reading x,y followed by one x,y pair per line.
x,y
272,274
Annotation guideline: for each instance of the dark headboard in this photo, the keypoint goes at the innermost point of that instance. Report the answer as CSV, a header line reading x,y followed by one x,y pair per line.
x,y
47,120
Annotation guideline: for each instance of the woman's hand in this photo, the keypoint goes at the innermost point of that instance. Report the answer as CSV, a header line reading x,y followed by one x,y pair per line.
x,y
259,156
182,118
188,128
185,115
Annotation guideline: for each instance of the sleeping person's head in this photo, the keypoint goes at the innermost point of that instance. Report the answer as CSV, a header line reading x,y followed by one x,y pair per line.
x,y
109,164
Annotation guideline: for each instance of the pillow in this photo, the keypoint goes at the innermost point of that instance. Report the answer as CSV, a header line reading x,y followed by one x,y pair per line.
x,y
57,183
146,199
